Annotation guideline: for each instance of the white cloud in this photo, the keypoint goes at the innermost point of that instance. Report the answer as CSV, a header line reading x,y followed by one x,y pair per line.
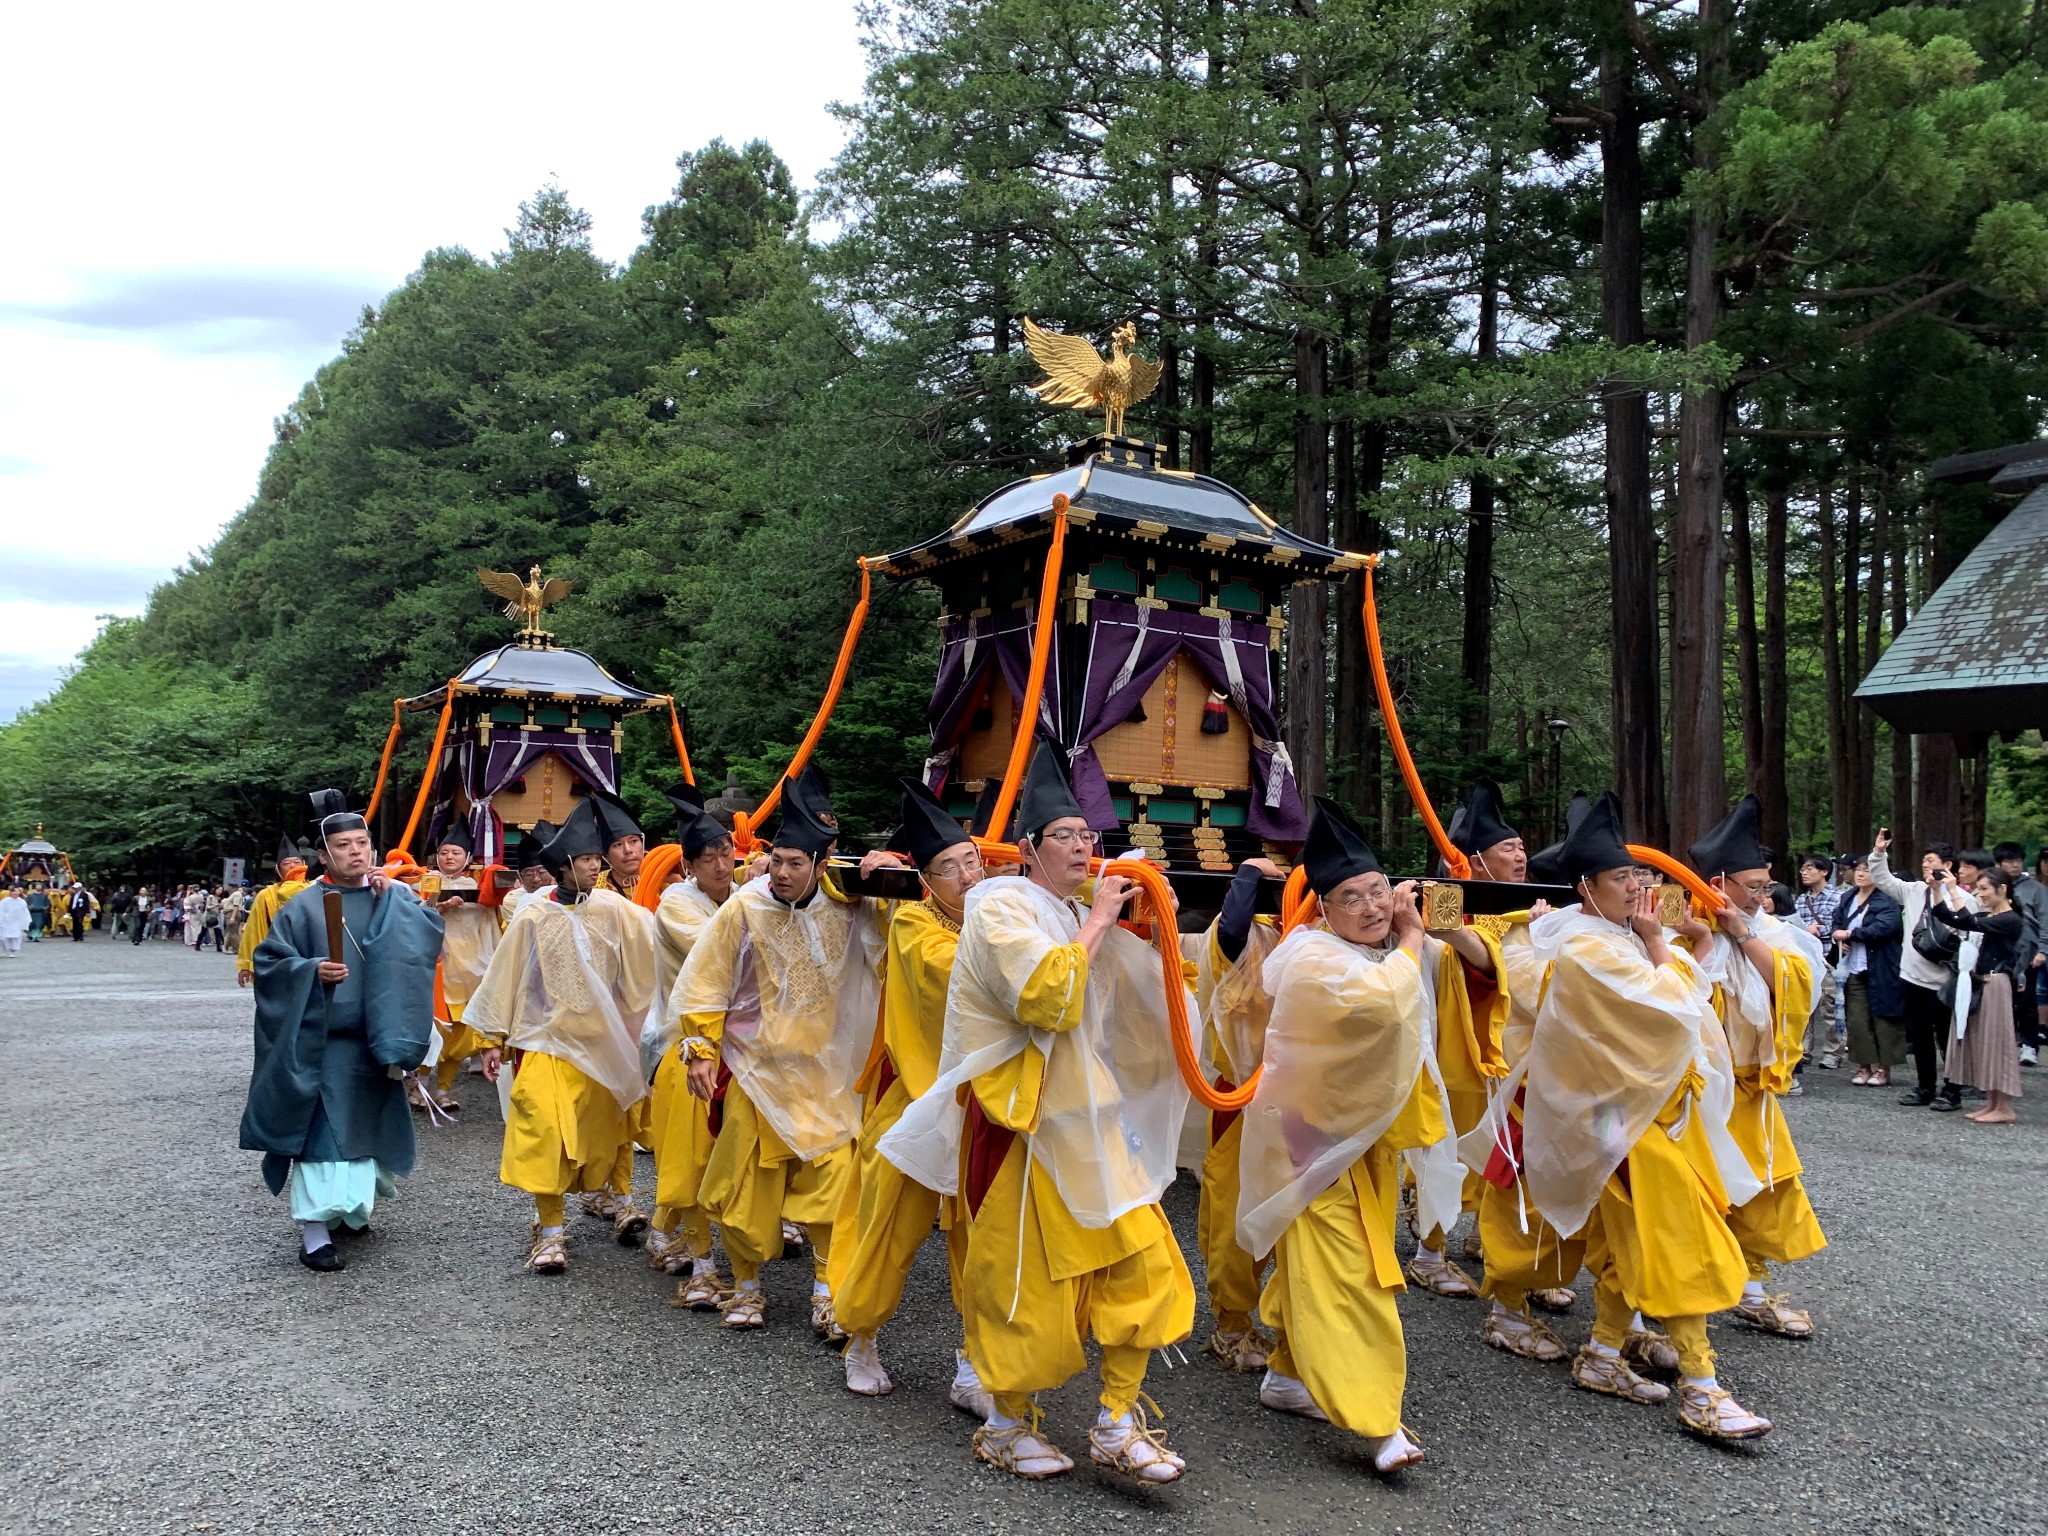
x,y
217,190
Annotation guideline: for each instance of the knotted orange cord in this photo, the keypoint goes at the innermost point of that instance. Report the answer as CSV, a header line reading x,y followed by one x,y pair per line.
x,y
660,862
419,805
1454,860
746,824
1298,904
384,762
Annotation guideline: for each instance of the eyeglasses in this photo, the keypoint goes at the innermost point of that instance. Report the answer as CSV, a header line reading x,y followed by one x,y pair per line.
x,y
1753,887
1351,905
956,869
1066,837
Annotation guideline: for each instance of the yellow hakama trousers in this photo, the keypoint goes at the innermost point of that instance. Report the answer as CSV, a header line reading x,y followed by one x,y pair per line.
x,y
752,1182
1038,1283
565,1132
679,1130
1331,1298
1777,1226
884,1218
1233,1274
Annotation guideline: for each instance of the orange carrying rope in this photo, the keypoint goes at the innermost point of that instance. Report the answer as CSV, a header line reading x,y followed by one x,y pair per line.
x,y
1455,861
745,825
384,762
419,804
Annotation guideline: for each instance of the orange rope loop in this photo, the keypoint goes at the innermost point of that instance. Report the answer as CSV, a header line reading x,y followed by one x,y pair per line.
x,y
384,762
1034,682
419,805
660,862
1711,900
1455,861
746,825
1298,904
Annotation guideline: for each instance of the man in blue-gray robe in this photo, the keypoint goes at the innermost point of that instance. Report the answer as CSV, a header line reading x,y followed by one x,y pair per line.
x,y
334,1039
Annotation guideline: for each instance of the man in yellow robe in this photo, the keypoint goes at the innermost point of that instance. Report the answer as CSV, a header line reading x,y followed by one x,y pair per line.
x,y
780,991
1469,1057
1350,1088
1231,992
1622,1140
886,1214
291,879
568,990
1056,1115
1766,979
679,1122
469,917
625,849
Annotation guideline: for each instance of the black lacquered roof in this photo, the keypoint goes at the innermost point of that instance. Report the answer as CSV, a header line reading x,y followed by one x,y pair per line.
x,y
522,671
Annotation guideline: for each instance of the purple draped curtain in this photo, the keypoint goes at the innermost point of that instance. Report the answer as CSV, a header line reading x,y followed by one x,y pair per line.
x,y
589,756
1129,646
967,649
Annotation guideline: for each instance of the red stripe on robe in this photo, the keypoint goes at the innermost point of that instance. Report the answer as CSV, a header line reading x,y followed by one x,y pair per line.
x,y
987,1145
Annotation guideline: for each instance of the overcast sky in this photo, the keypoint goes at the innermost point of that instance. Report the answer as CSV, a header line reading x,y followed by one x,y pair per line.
x,y
205,197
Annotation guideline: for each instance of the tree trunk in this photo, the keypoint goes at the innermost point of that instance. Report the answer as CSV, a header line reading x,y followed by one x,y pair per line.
x,y
1938,807
1873,620
1903,829
1631,529
1699,785
1776,687
1832,589
1476,648
1308,682
1748,664
1849,744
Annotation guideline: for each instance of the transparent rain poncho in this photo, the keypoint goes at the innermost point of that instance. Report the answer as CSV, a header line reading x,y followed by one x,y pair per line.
x,y
799,988
1233,998
575,982
1112,1100
685,912
1352,1035
1613,1039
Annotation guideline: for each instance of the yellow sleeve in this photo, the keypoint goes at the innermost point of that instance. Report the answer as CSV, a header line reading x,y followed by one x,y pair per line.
x,y
703,989
638,967
918,969
1051,997
1791,1007
1459,1054
262,913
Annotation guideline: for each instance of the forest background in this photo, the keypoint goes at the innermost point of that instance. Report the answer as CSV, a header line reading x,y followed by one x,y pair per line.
x,y
1627,330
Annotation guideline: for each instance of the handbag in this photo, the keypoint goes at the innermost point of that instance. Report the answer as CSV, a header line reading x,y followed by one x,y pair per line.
x,y
1935,941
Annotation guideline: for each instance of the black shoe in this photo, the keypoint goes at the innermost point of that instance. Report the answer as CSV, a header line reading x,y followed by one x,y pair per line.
x,y
1916,1097
326,1258
343,1229
1947,1103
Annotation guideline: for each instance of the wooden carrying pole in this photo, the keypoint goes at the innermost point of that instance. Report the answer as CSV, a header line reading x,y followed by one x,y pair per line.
x,y
330,900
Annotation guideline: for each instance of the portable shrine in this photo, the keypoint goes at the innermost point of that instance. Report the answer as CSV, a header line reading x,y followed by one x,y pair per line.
x,y
525,731
37,864
1164,686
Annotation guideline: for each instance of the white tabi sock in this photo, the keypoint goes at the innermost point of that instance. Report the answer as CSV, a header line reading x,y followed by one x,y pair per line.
x,y
750,1285
1703,1383
964,1373
1602,1350
703,1266
550,1231
997,1419
1104,1419
314,1235
820,1288
1636,1323
1753,1294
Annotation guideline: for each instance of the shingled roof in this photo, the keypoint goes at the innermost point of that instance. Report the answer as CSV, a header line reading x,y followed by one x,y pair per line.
x,y
1975,657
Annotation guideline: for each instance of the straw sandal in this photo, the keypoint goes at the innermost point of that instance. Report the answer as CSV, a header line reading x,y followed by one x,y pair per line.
x,y
1554,1298
742,1309
1442,1278
1021,1451
702,1291
1610,1375
1776,1314
1713,1414
629,1222
550,1255
1135,1449
1242,1349
1520,1334
1650,1352
824,1323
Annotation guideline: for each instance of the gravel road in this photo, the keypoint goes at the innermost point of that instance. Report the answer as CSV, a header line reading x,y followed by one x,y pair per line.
x,y
169,1367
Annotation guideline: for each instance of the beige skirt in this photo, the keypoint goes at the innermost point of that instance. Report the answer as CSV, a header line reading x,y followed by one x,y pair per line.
x,y
1987,1057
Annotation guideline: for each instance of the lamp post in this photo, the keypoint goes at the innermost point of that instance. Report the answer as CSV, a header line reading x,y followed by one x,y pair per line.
x,y
1556,728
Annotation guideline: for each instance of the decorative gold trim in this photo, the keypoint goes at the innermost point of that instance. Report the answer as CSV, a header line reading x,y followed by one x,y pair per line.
x,y
1219,541
1147,789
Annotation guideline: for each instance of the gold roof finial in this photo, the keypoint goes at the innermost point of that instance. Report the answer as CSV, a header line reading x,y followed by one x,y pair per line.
x,y
1077,375
525,599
